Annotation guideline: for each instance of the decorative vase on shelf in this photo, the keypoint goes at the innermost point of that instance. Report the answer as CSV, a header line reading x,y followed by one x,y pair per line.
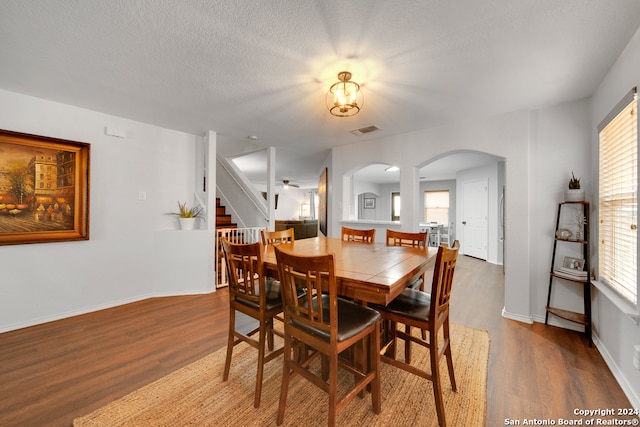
x,y
187,216
574,193
187,223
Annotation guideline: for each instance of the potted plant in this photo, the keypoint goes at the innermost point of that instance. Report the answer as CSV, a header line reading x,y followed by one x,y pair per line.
x,y
187,216
574,193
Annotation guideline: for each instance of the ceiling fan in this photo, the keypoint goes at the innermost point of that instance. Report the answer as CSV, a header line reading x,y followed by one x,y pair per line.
x,y
286,184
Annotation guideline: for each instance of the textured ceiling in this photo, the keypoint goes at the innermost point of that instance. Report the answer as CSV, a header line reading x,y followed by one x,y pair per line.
x,y
262,68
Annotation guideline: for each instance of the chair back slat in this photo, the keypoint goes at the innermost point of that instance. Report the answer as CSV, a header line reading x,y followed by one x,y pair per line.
x,y
356,235
316,276
400,238
277,237
443,279
245,270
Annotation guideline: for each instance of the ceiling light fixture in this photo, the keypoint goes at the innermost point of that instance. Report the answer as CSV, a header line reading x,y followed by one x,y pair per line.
x,y
392,169
344,98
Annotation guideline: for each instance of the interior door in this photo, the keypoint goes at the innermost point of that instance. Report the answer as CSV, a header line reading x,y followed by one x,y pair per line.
x,y
475,201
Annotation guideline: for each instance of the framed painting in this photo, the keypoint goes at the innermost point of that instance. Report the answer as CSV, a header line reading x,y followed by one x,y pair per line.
x,y
369,203
44,189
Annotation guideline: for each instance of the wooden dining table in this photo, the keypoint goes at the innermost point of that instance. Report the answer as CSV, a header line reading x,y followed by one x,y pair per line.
x,y
370,273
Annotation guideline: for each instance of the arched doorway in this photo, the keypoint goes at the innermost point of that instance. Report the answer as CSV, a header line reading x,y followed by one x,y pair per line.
x,y
475,183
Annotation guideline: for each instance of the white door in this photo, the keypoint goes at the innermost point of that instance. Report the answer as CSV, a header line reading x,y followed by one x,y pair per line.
x,y
475,197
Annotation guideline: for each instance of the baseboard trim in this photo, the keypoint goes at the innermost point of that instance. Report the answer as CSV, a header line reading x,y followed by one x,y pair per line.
x,y
560,323
516,317
634,399
111,304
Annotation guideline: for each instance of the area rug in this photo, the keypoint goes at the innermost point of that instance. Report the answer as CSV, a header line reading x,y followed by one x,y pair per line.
x,y
196,395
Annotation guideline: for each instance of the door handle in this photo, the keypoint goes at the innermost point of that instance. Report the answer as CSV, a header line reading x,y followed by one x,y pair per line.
x,y
464,222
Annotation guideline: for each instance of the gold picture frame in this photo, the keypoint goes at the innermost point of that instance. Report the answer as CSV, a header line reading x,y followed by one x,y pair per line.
x,y
44,189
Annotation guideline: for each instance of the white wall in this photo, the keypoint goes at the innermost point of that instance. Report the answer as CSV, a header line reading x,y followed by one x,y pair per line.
x,y
615,332
505,136
559,145
132,241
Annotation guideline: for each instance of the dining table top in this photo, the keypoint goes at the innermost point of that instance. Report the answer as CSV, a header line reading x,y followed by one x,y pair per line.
x,y
367,272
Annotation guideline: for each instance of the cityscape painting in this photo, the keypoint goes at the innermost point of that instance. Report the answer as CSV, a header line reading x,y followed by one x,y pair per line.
x,y
44,189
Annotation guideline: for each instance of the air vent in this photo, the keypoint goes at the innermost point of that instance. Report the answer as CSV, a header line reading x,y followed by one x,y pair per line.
x,y
366,129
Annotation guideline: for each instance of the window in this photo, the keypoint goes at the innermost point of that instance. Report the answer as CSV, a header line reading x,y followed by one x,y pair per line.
x,y
395,206
618,202
436,206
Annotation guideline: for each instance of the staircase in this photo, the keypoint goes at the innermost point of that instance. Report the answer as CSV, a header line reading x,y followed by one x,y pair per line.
x,y
223,220
225,227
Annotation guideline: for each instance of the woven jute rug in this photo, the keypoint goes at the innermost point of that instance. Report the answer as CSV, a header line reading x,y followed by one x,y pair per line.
x,y
196,396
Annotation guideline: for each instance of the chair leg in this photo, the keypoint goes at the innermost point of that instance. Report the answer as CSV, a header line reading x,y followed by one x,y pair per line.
x,y
447,353
374,357
393,336
286,375
269,325
407,345
360,359
424,333
333,388
261,350
230,340
326,368
435,378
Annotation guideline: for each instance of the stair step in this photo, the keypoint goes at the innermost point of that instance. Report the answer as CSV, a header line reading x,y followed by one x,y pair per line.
x,y
223,219
230,225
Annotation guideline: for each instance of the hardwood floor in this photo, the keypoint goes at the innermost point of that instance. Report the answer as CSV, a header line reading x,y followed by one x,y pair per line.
x,y
52,373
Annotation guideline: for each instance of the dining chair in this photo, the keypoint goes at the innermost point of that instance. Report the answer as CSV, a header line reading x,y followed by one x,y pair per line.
x,y
277,237
429,312
255,295
325,326
414,240
356,235
447,234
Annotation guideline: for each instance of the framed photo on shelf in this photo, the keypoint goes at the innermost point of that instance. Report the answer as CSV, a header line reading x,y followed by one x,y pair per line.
x,y
44,189
369,203
573,263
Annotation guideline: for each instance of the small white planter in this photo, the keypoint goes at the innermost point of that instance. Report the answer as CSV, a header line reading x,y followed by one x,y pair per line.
x,y
187,223
574,195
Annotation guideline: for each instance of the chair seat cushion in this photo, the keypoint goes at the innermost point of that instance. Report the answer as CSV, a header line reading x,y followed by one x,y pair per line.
x,y
274,299
352,318
411,303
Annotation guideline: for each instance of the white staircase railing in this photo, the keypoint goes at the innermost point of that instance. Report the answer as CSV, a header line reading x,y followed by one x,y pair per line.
x,y
235,235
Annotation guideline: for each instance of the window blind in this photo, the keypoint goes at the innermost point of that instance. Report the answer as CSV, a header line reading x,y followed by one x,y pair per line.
x,y
618,202
436,206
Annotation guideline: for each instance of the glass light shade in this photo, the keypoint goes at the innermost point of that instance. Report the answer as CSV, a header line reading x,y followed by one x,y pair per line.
x,y
344,98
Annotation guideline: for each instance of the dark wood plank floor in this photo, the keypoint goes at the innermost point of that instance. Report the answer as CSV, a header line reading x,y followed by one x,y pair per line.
x,y
52,373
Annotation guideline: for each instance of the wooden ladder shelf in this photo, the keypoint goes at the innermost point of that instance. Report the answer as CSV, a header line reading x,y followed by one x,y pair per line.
x,y
572,274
